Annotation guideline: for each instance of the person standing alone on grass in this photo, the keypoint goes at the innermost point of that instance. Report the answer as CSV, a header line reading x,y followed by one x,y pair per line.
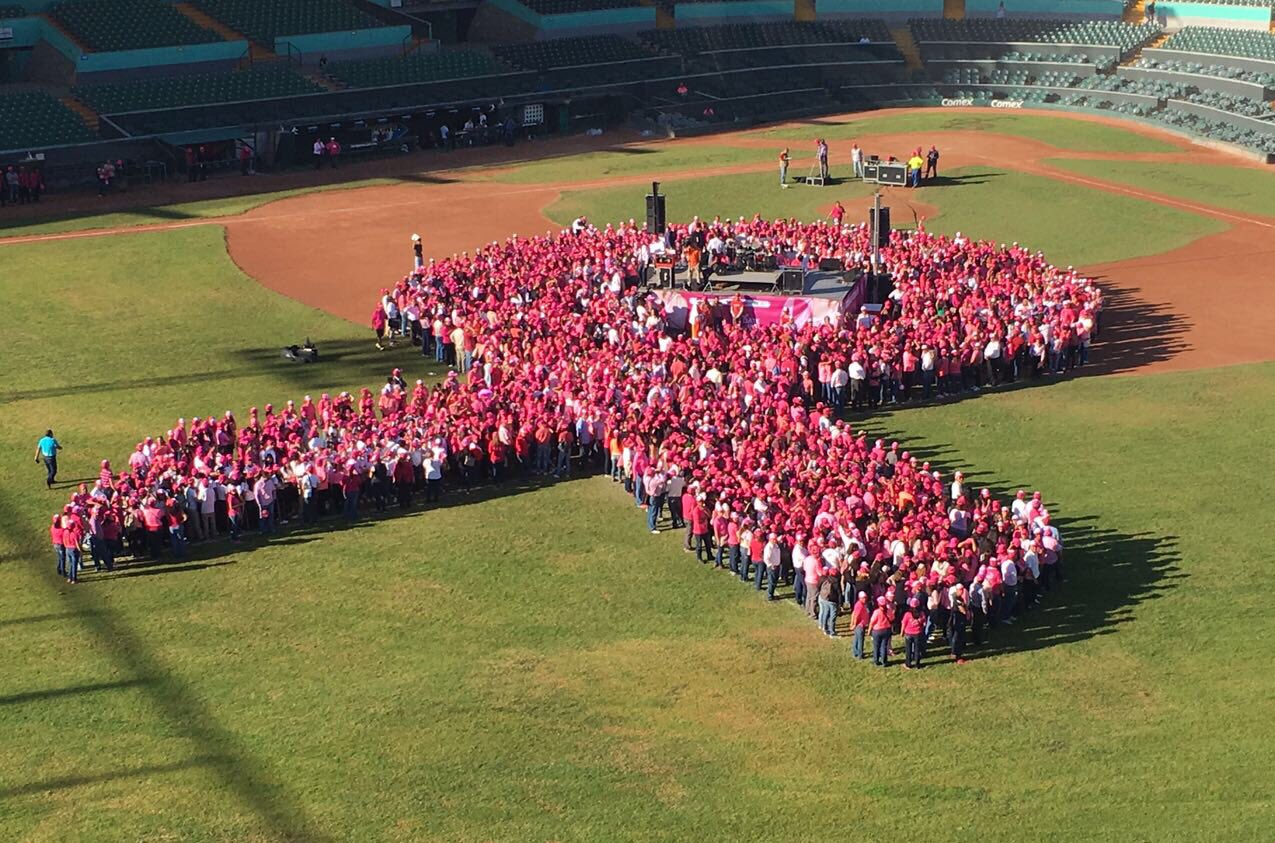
x,y
783,168
932,163
47,449
856,159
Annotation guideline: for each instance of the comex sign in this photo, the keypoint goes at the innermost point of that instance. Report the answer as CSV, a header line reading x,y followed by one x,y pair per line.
x,y
967,102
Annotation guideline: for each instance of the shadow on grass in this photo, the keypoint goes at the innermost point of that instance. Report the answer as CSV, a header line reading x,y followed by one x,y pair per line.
x,y
67,782
244,776
359,355
74,690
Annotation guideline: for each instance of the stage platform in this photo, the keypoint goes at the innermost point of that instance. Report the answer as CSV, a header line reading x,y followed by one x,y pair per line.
x,y
825,295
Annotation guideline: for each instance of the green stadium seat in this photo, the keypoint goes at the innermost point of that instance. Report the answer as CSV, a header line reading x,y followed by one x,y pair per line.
x,y
113,25
266,20
34,119
175,91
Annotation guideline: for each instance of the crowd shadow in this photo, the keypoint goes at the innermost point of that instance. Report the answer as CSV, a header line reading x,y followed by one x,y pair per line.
x,y
1135,333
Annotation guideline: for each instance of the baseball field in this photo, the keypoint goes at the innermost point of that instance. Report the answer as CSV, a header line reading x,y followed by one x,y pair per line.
x,y
533,664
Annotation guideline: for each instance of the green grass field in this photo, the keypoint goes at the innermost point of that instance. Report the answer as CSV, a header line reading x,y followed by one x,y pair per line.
x,y
1237,188
1060,132
1065,228
536,666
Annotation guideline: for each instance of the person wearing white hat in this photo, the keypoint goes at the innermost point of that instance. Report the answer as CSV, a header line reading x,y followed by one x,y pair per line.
x,y
418,252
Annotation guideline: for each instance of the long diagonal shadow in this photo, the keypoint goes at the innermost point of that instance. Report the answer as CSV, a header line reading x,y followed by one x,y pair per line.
x,y
1107,572
248,778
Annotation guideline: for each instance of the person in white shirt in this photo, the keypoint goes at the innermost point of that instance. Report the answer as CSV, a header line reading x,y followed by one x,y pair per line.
x,y
1020,507
1009,589
840,382
858,377
773,558
958,485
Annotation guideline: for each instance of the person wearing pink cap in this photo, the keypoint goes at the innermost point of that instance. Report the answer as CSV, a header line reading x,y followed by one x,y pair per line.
x,y
859,618
880,624
912,628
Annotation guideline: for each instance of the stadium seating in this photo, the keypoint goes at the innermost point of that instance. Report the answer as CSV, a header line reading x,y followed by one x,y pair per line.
x,y
110,25
266,20
11,11
175,91
1235,105
35,119
1150,87
1221,71
560,7
1245,43
1217,130
416,67
572,52
743,36
1111,33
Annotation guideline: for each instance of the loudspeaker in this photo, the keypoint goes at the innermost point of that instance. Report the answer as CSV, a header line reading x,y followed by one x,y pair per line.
x,y
655,219
792,281
882,225
831,265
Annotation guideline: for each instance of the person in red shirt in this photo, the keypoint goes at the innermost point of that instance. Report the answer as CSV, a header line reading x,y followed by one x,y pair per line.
x,y
859,618
699,526
59,550
913,626
880,625
72,535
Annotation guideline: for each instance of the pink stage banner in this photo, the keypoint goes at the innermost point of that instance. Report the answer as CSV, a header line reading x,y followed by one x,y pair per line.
x,y
763,310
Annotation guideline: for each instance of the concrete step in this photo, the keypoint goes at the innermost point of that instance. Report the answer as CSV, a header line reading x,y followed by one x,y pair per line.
x,y
65,34
86,114
256,51
907,46
1136,54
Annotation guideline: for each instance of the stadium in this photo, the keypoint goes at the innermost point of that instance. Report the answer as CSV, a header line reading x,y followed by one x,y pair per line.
x,y
635,419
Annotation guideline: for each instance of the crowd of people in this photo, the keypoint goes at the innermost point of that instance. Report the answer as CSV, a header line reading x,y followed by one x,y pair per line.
x,y
730,431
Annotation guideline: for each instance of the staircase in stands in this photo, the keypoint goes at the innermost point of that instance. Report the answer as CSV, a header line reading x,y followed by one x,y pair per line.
x,y
86,114
256,51
907,46
1136,53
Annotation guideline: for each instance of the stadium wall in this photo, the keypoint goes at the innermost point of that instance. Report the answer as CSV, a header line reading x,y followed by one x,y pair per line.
x,y
538,26
1177,15
697,14
358,43
1048,8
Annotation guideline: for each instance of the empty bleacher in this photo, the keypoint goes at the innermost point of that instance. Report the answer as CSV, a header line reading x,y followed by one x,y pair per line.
x,y
572,52
746,36
562,7
266,20
205,88
588,61
113,25
1112,33
9,10
415,67
1243,43
36,119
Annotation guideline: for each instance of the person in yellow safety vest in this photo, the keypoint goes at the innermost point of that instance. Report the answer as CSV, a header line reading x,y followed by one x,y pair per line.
x,y
915,163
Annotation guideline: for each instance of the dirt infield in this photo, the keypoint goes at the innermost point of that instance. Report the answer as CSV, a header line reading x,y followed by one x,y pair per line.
x,y
335,250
